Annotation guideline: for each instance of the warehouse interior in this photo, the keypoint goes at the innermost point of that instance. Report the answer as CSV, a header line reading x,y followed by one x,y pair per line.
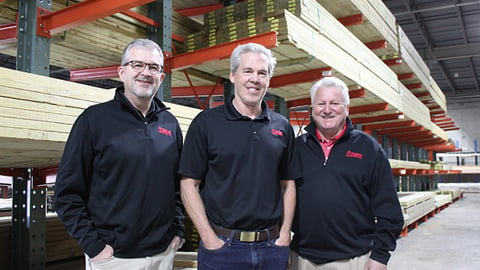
x,y
412,67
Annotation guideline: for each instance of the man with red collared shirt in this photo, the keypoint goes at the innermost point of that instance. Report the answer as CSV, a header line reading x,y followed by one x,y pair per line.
x,y
348,215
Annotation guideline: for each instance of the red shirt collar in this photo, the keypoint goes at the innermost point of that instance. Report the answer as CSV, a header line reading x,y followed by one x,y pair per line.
x,y
332,140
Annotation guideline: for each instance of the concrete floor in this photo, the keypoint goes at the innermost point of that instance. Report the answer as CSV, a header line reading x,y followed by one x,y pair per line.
x,y
448,241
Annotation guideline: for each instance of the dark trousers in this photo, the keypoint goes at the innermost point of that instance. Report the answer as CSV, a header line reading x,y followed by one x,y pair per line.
x,y
236,255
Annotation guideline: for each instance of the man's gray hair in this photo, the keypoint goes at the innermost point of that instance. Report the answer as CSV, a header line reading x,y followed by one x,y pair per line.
x,y
331,82
252,47
141,42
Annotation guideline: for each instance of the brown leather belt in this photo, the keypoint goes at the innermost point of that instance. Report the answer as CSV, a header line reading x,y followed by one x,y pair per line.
x,y
249,236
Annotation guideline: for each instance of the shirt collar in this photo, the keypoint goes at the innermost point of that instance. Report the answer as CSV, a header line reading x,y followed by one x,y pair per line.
x,y
233,114
332,140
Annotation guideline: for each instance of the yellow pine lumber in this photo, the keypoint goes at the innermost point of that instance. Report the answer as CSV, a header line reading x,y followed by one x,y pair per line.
x,y
37,112
379,23
396,163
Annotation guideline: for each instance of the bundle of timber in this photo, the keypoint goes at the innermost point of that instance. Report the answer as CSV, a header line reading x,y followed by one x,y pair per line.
x,y
185,260
249,18
98,43
442,199
397,163
306,43
377,22
37,112
315,18
413,63
454,193
58,244
416,205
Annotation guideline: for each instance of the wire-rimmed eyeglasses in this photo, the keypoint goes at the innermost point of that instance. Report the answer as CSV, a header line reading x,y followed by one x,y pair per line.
x,y
139,66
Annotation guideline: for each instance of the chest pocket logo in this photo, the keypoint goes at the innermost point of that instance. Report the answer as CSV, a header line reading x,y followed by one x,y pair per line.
x,y
354,155
164,131
277,132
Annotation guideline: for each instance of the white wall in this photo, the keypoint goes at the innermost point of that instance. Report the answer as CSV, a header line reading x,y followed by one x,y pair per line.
x,y
466,115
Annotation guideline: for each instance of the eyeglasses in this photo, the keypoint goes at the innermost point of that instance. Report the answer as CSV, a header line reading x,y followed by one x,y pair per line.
x,y
139,66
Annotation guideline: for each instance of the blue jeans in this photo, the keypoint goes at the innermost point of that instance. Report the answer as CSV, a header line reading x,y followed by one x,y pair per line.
x,y
236,255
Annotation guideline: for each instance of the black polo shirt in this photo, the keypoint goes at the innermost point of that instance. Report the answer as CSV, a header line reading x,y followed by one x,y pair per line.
x,y
241,162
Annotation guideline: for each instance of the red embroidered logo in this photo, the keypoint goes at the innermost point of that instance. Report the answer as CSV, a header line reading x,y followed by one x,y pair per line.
x,y
353,154
164,131
277,132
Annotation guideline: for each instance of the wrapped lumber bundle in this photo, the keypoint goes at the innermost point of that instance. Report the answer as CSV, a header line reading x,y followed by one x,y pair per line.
x,y
37,112
416,205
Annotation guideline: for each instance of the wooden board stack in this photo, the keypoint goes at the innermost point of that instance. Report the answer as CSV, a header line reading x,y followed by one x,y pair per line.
x,y
397,163
416,205
311,38
380,24
442,199
100,43
58,244
37,112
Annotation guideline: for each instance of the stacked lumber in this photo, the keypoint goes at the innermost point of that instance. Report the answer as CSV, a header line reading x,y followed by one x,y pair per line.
x,y
37,112
311,38
100,43
453,193
380,24
397,163
192,238
232,22
58,244
185,260
416,205
442,199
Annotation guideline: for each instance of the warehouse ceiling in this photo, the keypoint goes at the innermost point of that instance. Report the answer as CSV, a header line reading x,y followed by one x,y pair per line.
x,y
446,34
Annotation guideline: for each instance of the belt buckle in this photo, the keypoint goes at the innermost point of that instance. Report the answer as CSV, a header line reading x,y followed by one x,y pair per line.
x,y
249,236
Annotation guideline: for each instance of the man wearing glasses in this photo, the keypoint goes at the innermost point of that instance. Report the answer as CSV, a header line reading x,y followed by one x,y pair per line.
x,y
117,189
